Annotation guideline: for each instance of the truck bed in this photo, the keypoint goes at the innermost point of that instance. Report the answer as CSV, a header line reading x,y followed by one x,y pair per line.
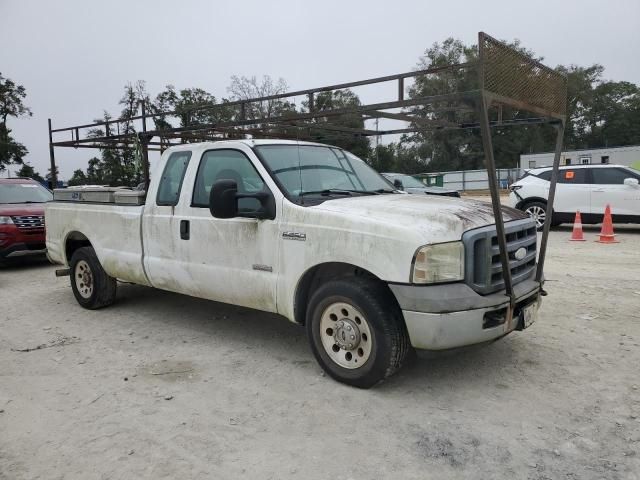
x,y
116,232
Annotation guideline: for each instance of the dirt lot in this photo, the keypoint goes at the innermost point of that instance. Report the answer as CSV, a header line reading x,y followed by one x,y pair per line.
x,y
166,386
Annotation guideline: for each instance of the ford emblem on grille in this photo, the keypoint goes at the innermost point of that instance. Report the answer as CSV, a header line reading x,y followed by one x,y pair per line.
x,y
520,253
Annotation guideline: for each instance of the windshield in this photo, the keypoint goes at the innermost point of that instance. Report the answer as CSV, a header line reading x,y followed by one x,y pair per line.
x,y
24,193
309,169
408,181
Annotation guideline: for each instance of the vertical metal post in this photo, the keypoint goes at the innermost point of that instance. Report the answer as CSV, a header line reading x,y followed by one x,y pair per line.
x,y
144,115
145,161
145,147
400,89
552,195
312,107
52,159
495,200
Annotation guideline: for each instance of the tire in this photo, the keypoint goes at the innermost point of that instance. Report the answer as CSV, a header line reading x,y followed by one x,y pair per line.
x,y
538,211
91,285
356,331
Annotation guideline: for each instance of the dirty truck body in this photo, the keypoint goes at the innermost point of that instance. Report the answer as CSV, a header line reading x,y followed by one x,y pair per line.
x,y
370,271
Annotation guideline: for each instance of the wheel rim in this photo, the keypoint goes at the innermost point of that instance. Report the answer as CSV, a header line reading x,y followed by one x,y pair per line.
x,y
346,335
538,214
84,279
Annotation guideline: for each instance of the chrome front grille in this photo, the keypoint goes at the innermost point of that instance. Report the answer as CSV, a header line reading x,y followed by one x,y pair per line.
x,y
29,223
483,270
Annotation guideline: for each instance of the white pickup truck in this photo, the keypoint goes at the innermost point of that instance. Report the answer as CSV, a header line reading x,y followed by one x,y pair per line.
x,y
313,233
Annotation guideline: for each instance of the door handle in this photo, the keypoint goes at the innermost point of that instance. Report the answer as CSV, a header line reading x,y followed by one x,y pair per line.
x,y
184,229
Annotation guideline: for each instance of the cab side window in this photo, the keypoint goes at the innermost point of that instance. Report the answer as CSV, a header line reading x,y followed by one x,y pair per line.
x,y
610,176
227,165
172,177
575,176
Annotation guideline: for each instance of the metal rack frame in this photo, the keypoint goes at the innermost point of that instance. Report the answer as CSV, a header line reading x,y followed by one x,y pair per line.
x,y
505,78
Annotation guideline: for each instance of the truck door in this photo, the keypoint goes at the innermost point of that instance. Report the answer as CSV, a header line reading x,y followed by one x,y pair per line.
x,y
609,188
161,225
228,260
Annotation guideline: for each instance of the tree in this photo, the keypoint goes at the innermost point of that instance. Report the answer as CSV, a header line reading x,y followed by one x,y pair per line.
x,y
599,113
383,158
336,100
462,149
193,106
49,178
110,165
78,178
245,88
27,171
95,172
119,163
11,105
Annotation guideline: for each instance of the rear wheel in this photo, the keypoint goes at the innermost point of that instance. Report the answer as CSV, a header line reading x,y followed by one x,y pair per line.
x,y
356,331
91,285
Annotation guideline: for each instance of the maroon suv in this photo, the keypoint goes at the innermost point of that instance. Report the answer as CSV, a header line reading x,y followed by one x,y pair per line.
x,y
22,218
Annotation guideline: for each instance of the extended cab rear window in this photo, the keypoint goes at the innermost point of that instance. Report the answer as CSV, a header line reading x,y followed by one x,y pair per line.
x,y
172,177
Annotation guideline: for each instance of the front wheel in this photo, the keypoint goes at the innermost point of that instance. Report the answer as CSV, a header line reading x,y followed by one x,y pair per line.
x,y
356,331
91,285
537,211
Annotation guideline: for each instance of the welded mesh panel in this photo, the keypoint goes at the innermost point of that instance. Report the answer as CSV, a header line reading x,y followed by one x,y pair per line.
x,y
521,81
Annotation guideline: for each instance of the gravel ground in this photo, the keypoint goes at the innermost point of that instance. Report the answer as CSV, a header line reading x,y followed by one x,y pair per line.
x,y
166,386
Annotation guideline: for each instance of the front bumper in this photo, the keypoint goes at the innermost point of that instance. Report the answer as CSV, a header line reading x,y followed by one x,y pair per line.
x,y
23,250
439,317
17,243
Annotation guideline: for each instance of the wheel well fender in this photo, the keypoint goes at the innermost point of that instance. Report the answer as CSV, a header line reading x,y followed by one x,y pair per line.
x,y
523,203
73,242
321,273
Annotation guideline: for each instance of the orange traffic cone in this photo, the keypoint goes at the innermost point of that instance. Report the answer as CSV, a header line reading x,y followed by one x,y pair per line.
x,y
576,234
606,234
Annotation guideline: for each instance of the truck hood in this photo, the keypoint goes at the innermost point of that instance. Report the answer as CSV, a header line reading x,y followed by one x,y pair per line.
x,y
428,212
13,209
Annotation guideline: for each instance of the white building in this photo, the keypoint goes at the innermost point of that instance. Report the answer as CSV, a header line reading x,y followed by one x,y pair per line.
x,y
629,156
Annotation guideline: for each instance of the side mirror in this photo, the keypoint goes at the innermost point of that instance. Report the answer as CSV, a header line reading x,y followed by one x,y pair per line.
x,y
223,201
398,184
631,182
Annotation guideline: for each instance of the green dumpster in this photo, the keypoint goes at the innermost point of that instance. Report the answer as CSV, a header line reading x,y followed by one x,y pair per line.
x,y
435,180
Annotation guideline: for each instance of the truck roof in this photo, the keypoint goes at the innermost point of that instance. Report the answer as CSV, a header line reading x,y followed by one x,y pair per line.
x,y
249,142
18,180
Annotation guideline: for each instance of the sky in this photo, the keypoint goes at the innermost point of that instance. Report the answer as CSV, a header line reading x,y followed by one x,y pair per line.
x,y
75,56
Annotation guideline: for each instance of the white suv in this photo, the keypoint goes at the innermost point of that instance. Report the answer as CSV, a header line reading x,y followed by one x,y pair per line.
x,y
588,188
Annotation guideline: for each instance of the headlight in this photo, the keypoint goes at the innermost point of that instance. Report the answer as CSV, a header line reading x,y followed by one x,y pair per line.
x,y
6,221
442,262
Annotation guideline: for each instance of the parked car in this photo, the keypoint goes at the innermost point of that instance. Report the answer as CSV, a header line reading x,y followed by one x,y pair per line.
x,y
410,184
313,233
588,188
22,218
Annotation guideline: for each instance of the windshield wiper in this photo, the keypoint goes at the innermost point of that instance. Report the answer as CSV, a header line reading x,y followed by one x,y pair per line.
x,y
17,203
331,191
384,190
